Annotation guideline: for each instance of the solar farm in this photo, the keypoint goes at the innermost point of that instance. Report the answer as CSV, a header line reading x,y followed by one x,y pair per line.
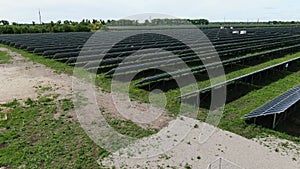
x,y
258,46
261,65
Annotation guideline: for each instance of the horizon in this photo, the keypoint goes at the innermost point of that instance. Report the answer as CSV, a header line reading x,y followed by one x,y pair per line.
x,y
214,10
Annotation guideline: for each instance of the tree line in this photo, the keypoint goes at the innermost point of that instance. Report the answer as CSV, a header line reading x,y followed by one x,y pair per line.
x,y
87,25
155,22
60,26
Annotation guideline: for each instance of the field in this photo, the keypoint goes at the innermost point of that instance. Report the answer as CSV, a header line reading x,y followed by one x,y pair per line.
x,y
258,57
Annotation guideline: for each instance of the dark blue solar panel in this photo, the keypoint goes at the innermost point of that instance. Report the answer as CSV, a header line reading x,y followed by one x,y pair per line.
x,y
278,105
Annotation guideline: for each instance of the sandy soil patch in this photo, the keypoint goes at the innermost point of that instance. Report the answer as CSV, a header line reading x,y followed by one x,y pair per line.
x,y
23,79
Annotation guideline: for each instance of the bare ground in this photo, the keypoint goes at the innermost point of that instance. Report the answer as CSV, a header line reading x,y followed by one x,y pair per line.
x,y
23,79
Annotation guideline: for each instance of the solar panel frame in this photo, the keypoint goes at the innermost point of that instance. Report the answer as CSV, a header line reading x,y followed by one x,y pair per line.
x,y
278,105
237,78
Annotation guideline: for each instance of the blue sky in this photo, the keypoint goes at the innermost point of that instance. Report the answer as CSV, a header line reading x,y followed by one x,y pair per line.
x,y
214,10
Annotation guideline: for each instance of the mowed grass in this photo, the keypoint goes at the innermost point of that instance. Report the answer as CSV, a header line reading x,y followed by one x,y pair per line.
x,y
232,121
4,58
233,112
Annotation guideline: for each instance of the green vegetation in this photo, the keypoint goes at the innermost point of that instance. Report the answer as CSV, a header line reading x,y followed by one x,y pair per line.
x,y
155,22
235,110
57,66
93,25
4,58
42,132
32,138
231,120
67,26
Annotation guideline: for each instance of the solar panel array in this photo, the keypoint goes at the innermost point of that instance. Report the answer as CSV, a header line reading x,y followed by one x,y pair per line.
x,y
165,76
231,48
66,47
278,105
240,78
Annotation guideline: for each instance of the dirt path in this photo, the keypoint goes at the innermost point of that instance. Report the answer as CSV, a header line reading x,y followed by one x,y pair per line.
x,y
237,151
23,79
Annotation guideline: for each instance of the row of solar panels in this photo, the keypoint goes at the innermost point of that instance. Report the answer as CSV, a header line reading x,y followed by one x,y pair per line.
x,y
278,105
232,47
242,78
67,47
145,60
77,40
167,76
227,49
173,61
174,47
76,43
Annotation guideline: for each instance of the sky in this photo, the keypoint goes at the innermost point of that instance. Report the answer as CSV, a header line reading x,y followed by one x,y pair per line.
x,y
21,11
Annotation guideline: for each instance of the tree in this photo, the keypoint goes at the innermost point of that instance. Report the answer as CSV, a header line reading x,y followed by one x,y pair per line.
x,y
67,28
102,22
94,21
52,23
4,22
66,22
199,21
147,22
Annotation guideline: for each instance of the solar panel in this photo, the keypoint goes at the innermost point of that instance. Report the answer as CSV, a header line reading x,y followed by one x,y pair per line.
x,y
237,79
277,105
198,68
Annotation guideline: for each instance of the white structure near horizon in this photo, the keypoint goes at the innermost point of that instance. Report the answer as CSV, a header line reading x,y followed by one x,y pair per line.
x,y
243,32
222,163
235,32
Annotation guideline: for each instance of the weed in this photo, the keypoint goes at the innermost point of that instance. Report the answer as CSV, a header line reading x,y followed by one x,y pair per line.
x,y
4,58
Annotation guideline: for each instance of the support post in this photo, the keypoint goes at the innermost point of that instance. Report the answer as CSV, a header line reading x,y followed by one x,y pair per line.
x,y
197,103
285,115
274,121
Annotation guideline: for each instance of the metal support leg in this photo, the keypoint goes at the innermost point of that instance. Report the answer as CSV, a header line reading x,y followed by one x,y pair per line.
x,y
274,121
285,115
197,104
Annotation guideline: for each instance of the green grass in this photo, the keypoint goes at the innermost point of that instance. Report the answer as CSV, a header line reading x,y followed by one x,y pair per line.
x,y
231,120
4,58
57,66
33,138
235,110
